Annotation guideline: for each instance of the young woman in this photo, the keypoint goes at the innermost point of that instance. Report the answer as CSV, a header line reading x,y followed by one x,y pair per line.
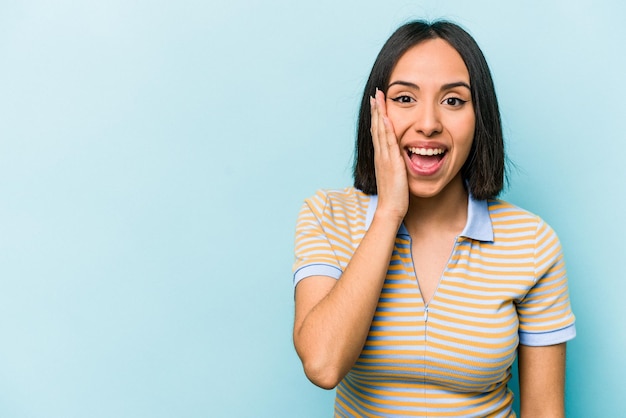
x,y
416,288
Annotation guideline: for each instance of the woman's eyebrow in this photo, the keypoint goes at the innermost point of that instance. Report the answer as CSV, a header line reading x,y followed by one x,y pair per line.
x,y
404,83
447,86
456,84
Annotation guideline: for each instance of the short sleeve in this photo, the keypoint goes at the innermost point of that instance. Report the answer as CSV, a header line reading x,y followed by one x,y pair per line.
x,y
314,254
545,314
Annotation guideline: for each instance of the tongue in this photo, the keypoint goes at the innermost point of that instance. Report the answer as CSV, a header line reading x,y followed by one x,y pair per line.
x,y
425,161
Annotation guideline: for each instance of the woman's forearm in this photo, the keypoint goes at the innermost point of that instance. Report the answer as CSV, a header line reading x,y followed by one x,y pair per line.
x,y
333,317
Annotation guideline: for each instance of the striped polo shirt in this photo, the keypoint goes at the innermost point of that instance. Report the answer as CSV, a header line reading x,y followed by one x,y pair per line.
x,y
504,284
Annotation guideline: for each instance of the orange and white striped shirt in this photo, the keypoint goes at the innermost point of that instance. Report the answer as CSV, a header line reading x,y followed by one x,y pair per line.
x,y
504,284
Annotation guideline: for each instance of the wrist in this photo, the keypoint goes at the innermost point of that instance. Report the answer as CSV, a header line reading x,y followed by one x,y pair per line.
x,y
389,216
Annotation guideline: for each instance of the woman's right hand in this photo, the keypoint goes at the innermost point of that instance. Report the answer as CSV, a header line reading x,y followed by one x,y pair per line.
x,y
333,317
391,175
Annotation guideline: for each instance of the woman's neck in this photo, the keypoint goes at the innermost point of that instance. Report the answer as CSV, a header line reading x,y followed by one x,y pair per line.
x,y
446,212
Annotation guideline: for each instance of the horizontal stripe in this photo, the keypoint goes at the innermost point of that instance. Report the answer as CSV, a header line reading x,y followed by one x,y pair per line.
x,y
505,283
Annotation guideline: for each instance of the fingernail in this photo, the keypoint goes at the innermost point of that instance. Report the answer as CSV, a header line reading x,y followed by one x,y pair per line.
x,y
372,101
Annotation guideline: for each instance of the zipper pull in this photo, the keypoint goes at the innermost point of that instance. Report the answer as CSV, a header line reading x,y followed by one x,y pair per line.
x,y
426,314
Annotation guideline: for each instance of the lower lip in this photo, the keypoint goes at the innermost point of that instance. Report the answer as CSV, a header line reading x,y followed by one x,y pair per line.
x,y
424,171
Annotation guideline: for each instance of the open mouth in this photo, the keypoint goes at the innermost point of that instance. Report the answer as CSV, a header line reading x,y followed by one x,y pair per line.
x,y
425,158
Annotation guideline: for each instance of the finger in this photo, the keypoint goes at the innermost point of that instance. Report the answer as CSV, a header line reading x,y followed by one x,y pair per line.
x,y
389,133
380,100
378,133
374,126
386,137
374,123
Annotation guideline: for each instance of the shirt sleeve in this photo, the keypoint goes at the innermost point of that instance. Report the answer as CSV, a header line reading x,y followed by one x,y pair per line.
x,y
545,314
314,254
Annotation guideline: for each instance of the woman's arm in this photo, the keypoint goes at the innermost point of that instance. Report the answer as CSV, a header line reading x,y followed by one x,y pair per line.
x,y
542,381
333,317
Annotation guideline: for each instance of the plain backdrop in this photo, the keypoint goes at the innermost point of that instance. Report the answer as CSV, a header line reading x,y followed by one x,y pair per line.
x,y
154,156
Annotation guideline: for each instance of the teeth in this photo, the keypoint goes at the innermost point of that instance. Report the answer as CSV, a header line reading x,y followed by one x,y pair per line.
x,y
426,151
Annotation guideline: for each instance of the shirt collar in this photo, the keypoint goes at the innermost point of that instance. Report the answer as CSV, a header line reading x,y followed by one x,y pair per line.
x,y
478,226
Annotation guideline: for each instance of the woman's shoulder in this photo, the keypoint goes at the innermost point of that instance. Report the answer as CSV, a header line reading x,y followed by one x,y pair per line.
x,y
349,201
348,197
501,208
507,215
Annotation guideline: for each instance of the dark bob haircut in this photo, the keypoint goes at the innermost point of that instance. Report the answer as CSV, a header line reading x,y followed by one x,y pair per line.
x,y
483,172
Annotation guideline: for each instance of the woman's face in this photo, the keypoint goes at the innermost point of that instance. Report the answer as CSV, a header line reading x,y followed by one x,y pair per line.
x,y
429,103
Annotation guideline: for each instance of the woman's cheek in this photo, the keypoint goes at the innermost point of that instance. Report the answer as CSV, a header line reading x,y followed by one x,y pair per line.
x,y
397,122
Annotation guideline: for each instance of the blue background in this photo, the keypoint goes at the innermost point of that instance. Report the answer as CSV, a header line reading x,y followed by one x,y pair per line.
x,y
154,156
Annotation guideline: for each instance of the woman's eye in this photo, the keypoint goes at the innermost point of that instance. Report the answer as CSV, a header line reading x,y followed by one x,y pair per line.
x,y
403,99
454,101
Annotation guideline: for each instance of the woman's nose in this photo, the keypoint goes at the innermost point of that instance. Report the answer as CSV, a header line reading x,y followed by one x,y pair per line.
x,y
428,121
